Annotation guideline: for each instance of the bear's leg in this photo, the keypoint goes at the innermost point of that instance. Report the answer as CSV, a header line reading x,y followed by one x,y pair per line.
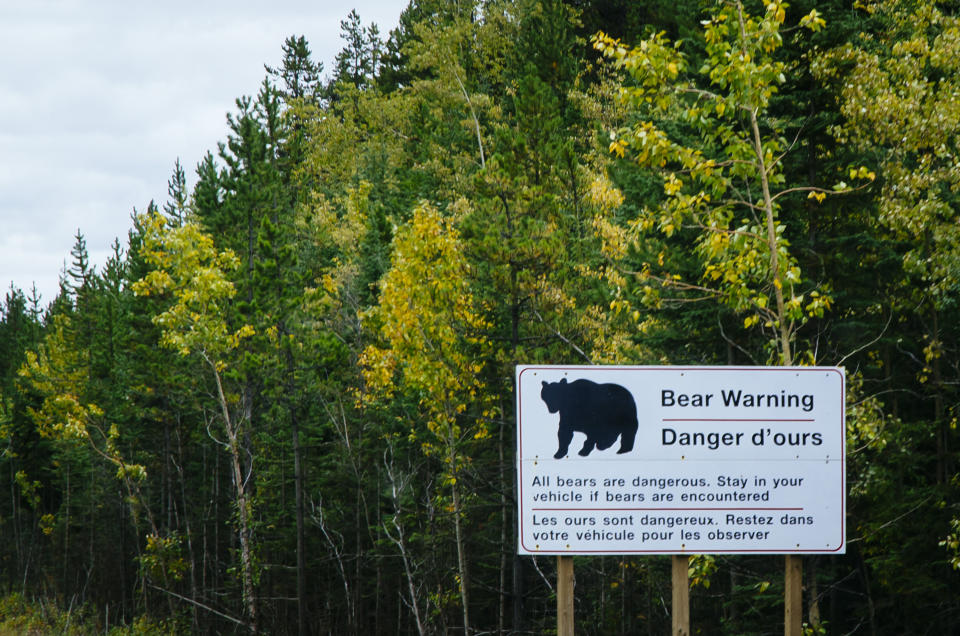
x,y
627,437
606,441
587,446
564,436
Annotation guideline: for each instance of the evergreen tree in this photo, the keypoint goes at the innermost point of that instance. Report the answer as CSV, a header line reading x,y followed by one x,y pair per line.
x,y
178,193
358,62
300,75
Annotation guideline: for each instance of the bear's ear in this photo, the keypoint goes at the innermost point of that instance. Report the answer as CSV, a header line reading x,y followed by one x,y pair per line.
x,y
544,382
563,381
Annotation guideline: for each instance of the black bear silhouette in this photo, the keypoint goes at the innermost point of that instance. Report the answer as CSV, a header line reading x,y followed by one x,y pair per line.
x,y
603,412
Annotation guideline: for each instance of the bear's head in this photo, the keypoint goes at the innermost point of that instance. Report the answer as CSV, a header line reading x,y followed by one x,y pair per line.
x,y
552,394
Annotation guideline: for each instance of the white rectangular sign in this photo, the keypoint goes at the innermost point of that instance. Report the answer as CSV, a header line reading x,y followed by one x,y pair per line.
x,y
675,460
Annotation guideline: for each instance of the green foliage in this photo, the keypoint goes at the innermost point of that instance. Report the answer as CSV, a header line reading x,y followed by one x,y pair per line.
x,y
357,63
725,190
188,267
702,567
163,558
897,93
34,618
301,369
59,370
300,74
430,327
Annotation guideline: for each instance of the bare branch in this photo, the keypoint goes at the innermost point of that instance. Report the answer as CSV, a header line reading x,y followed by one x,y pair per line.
x,y
825,191
868,344
200,605
562,337
733,343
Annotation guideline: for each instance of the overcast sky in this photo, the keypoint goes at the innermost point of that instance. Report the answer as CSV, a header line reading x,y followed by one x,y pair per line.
x,y
98,99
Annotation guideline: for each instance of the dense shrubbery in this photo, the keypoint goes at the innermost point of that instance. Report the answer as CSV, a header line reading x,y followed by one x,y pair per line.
x,y
37,618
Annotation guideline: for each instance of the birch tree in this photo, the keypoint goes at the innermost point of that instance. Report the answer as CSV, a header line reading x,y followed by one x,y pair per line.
x,y
718,150
432,340
189,268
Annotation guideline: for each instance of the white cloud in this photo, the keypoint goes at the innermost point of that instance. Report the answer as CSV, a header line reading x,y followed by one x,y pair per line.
x,y
98,99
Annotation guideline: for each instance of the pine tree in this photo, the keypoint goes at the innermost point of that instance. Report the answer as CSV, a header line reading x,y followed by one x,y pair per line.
x,y
178,193
300,75
358,62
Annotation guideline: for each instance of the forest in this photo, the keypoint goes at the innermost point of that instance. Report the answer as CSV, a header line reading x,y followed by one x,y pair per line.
x,y
285,404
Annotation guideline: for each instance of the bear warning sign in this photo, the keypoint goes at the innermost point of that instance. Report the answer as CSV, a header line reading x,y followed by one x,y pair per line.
x,y
676,460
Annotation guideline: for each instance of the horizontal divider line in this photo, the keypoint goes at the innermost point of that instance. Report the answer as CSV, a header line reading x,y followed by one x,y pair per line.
x,y
656,509
733,419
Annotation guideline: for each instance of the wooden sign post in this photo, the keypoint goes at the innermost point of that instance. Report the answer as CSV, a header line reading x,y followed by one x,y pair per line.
x,y
793,596
681,595
564,596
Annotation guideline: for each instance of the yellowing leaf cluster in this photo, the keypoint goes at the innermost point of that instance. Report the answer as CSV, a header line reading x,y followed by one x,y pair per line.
x,y
734,171
432,333
59,372
903,95
188,267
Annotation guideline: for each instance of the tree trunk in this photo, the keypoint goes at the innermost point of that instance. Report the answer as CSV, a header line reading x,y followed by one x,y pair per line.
x,y
397,486
464,581
186,522
504,539
300,507
246,556
232,431
941,430
301,536
813,604
786,356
